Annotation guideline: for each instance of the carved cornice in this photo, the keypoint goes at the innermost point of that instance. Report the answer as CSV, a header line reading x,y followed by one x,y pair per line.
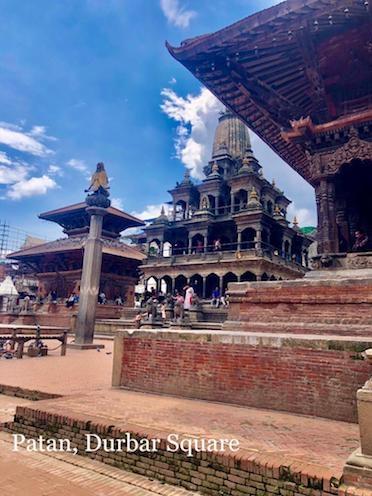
x,y
329,163
355,148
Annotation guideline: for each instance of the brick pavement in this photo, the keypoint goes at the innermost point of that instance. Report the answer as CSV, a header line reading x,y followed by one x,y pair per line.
x,y
77,372
304,440
34,474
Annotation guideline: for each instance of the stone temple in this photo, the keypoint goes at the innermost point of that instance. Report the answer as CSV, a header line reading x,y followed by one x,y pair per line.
x,y
232,227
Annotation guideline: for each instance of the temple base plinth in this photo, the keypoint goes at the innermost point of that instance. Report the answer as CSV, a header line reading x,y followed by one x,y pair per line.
x,y
358,471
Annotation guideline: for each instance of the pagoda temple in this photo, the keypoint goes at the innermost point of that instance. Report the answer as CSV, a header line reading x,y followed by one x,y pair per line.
x,y
231,227
58,264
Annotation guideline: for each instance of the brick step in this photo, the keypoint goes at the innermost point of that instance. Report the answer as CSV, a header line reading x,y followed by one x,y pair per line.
x,y
316,319
208,326
340,330
255,463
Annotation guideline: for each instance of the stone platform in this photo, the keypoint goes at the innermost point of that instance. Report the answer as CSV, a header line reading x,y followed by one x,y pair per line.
x,y
278,451
324,302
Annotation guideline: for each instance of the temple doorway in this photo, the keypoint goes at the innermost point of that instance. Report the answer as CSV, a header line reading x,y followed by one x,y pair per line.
x,y
212,282
196,282
353,187
227,278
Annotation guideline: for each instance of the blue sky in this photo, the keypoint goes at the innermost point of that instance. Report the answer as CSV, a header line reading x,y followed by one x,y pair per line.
x,y
84,81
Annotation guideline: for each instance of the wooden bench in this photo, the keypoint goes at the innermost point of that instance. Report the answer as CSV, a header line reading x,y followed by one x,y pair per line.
x,y
21,334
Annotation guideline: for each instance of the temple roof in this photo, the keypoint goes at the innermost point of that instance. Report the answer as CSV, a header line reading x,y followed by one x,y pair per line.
x,y
75,216
297,59
110,247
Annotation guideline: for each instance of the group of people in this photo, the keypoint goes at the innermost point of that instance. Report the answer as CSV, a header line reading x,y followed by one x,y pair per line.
x,y
174,306
157,304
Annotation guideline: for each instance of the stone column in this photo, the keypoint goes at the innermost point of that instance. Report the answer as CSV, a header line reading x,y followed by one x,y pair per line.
x,y
358,468
189,250
239,241
216,209
232,202
325,200
258,239
90,281
221,284
204,290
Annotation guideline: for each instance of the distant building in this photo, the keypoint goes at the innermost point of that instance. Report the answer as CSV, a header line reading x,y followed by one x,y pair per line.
x,y
58,264
230,227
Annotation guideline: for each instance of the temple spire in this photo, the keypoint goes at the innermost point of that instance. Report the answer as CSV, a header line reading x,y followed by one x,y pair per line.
x,y
231,136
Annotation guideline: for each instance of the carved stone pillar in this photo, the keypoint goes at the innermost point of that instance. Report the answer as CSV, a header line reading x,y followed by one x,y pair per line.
x,y
232,199
325,200
90,280
258,239
189,250
358,468
239,240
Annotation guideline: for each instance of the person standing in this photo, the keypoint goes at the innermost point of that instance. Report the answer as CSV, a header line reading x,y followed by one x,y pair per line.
x,y
189,295
216,298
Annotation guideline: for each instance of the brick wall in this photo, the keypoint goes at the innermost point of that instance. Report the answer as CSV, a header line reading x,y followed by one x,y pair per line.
x,y
313,377
216,474
303,300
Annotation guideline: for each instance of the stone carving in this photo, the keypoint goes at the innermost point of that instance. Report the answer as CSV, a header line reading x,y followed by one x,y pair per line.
x,y
205,203
350,261
355,148
330,163
99,188
315,164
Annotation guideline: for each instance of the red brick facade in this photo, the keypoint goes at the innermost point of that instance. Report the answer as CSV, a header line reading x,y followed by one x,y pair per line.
x,y
319,302
283,374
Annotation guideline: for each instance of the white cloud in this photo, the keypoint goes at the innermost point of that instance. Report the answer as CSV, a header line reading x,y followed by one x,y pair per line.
x,y
77,164
31,187
197,117
11,175
150,212
172,80
4,159
117,203
55,170
176,14
15,137
305,216
37,131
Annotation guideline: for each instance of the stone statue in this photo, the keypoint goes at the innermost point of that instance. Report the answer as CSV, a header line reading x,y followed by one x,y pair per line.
x,y
205,203
99,188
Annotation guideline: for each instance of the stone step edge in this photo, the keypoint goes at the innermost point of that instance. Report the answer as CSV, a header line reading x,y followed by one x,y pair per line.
x,y
28,394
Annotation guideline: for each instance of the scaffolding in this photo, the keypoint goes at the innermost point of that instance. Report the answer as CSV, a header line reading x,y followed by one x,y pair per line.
x,y
13,239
